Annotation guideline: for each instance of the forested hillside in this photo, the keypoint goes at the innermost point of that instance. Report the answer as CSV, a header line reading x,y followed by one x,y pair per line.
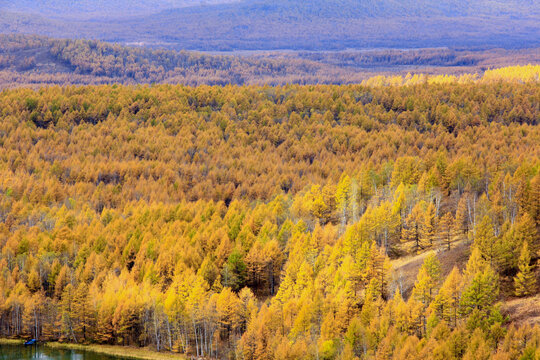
x,y
99,8
327,8
395,219
299,24
37,61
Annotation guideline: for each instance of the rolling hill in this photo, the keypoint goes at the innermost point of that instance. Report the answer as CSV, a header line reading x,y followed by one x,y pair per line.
x,y
35,61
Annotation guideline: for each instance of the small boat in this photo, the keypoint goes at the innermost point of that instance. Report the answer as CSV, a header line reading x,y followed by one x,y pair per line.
x,y
30,342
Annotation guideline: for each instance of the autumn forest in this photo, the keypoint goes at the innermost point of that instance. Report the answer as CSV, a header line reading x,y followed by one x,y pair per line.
x,y
397,218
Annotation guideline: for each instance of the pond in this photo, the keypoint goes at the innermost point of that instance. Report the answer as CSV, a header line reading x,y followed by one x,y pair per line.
x,y
20,352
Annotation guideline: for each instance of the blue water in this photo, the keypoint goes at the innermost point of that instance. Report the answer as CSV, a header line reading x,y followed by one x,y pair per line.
x,y
19,352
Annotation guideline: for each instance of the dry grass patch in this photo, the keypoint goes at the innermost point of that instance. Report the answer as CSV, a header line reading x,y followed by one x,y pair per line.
x,y
405,269
123,351
523,311
11,341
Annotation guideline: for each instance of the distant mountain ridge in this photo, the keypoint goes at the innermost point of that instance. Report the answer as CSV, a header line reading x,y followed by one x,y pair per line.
x,y
100,8
381,8
222,25
318,8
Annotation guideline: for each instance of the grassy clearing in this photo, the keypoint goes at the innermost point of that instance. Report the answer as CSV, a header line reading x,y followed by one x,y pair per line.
x,y
406,268
122,351
11,341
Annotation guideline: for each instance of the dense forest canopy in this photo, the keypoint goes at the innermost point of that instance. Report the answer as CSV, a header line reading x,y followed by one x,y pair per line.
x,y
394,219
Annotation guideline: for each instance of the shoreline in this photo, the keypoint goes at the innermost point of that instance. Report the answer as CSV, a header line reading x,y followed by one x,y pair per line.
x,y
111,350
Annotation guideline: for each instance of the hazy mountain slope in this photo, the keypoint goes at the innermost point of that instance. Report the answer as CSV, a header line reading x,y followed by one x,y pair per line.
x,y
338,24
99,8
318,24
382,8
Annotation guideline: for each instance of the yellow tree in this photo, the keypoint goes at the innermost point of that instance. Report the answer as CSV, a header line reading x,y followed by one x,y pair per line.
x,y
445,229
32,315
446,303
85,313
377,271
429,226
525,231
343,198
534,199
228,308
461,224
33,282
525,281
385,225
247,308
486,241
68,314
412,230
426,283
478,348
